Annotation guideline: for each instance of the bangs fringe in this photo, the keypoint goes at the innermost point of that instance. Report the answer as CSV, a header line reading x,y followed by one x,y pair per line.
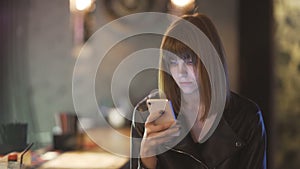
x,y
173,47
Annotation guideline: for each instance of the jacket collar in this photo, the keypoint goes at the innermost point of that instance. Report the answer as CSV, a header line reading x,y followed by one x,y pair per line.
x,y
223,143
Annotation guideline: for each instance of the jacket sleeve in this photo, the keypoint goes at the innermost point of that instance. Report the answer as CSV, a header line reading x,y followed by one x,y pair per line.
x,y
254,153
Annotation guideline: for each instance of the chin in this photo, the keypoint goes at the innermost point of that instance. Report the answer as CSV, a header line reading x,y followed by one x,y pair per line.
x,y
188,91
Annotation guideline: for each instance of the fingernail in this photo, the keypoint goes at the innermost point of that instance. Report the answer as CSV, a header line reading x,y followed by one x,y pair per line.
x,y
162,112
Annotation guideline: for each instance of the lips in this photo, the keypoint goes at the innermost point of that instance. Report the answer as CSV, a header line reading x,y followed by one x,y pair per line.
x,y
185,83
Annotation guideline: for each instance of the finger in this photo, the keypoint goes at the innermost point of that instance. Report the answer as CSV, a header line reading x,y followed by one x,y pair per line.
x,y
154,116
152,128
153,142
164,140
165,133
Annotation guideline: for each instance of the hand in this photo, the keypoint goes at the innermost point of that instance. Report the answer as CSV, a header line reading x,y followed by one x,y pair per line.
x,y
154,136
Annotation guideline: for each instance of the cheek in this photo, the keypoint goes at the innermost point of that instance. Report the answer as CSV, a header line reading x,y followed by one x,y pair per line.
x,y
175,74
192,74
173,71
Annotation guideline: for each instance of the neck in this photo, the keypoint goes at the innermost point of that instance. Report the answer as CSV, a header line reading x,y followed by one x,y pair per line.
x,y
191,99
190,104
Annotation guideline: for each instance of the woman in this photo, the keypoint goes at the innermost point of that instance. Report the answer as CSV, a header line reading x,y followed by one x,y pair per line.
x,y
236,140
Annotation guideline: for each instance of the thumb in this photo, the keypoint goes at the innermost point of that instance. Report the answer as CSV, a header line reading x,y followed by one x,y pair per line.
x,y
154,116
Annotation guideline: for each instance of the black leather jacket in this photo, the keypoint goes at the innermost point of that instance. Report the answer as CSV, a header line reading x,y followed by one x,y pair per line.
x,y
239,142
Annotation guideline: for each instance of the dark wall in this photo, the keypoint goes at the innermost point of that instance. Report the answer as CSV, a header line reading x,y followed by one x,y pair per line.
x,y
256,58
14,93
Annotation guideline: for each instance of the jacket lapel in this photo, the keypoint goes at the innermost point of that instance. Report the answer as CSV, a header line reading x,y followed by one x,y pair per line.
x,y
221,145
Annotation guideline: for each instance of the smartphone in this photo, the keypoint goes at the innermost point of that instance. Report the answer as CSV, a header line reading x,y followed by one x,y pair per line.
x,y
155,106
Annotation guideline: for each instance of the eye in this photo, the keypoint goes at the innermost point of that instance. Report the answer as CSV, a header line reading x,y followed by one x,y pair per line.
x,y
189,61
173,62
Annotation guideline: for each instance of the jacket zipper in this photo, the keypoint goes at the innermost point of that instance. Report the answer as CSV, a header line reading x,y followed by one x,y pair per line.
x,y
182,152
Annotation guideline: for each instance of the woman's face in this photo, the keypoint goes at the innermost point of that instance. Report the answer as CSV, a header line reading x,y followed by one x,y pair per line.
x,y
184,75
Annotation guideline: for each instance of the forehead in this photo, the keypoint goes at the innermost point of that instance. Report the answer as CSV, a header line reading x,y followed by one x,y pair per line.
x,y
172,47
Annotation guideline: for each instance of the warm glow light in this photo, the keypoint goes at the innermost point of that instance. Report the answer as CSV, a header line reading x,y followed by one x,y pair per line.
x,y
83,4
182,3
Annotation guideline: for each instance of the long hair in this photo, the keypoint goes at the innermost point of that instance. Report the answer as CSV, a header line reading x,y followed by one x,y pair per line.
x,y
166,82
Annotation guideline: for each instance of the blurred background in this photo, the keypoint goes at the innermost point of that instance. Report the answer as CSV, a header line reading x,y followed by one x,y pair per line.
x,y
41,40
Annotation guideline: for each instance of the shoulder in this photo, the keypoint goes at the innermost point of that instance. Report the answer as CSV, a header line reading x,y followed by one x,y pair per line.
x,y
241,107
244,116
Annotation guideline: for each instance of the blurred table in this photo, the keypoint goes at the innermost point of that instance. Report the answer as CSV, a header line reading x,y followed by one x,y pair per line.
x,y
85,160
103,148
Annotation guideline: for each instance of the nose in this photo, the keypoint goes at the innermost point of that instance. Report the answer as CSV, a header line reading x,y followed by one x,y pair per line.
x,y
182,69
